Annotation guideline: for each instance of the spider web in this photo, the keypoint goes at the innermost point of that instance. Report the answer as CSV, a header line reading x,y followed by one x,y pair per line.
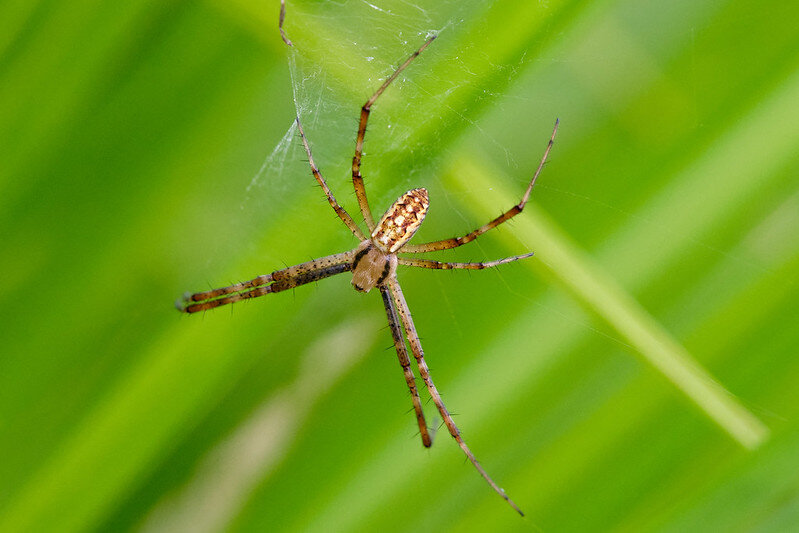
x,y
342,52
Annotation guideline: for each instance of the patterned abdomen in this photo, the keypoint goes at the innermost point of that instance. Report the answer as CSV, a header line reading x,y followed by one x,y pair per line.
x,y
401,221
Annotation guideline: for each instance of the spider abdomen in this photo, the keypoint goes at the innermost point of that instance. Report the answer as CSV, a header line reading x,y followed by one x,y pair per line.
x,y
401,221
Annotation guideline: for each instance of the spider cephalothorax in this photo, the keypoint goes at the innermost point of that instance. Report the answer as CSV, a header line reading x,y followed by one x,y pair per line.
x,y
374,265
375,259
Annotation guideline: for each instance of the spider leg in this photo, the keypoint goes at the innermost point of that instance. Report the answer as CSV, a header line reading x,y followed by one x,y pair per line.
x,y
357,179
280,23
277,281
418,353
427,263
405,362
342,214
507,215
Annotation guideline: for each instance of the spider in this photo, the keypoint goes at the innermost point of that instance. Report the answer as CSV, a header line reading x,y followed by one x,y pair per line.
x,y
373,264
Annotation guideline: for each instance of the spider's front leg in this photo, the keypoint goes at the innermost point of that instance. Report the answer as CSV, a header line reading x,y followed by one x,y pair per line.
x,y
398,300
375,262
405,363
371,267
277,281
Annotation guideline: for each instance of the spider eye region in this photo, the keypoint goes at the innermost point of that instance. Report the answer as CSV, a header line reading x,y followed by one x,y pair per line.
x,y
401,221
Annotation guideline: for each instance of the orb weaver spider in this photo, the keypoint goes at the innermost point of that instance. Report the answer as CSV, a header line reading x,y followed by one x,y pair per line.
x,y
374,262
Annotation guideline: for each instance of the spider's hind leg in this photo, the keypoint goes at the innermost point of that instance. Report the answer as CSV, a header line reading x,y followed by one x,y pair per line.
x,y
454,242
340,211
440,265
357,179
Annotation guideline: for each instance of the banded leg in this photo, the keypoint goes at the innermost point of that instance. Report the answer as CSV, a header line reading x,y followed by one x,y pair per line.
x,y
232,289
427,263
507,215
357,179
342,214
280,23
277,281
418,353
405,362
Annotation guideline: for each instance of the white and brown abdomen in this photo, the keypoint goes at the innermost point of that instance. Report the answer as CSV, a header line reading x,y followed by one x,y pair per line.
x,y
401,221
374,259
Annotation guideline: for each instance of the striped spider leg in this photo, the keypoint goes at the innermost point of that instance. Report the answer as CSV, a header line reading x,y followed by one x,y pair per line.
x,y
277,281
373,264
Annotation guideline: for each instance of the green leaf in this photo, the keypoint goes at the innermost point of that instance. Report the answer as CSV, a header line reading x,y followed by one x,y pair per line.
x,y
148,150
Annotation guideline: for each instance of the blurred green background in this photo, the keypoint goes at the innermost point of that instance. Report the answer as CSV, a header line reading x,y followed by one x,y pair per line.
x,y
148,150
